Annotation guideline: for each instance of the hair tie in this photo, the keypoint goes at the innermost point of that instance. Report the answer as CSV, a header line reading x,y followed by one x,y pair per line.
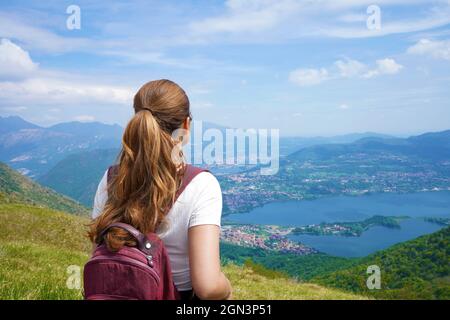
x,y
147,109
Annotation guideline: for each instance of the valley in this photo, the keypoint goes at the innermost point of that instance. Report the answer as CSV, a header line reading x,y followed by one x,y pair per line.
x,y
335,206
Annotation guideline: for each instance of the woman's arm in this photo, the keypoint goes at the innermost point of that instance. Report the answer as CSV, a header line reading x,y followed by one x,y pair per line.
x,y
208,281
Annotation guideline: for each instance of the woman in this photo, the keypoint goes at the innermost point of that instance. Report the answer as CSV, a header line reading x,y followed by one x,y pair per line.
x,y
147,179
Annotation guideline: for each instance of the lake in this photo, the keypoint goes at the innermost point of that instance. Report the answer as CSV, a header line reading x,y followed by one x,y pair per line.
x,y
347,208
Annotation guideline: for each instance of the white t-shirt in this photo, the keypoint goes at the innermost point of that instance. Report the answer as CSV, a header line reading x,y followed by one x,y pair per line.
x,y
200,203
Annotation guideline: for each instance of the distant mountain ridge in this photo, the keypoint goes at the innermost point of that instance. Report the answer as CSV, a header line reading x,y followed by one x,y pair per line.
x,y
34,150
432,146
15,123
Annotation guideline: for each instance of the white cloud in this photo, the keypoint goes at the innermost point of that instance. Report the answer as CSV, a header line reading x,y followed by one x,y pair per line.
x,y
16,109
284,20
308,77
247,16
435,49
84,118
23,83
350,68
15,63
15,27
388,66
344,69
55,91
344,106
201,104
384,66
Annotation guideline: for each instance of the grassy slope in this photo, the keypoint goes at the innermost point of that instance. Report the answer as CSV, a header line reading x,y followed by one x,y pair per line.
x,y
416,269
15,187
37,245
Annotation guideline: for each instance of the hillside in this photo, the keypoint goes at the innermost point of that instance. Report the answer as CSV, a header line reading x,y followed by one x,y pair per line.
x,y
416,269
37,245
15,187
78,175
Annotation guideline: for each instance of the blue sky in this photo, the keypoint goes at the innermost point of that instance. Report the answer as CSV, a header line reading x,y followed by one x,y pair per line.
x,y
305,67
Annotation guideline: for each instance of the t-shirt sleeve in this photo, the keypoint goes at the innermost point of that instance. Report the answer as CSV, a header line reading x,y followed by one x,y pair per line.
x,y
101,196
207,206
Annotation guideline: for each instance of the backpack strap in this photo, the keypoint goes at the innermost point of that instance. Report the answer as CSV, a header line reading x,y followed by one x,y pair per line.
x,y
143,242
190,173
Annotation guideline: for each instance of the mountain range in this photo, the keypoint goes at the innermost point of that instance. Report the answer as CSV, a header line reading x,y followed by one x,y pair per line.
x,y
33,150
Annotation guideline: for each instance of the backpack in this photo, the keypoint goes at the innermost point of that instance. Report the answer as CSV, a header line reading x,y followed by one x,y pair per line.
x,y
133,273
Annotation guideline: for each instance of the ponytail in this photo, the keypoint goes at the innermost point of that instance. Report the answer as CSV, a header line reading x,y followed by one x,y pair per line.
x,y
145,184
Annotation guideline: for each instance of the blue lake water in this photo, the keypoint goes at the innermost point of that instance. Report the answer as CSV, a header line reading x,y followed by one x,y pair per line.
x,y
347,208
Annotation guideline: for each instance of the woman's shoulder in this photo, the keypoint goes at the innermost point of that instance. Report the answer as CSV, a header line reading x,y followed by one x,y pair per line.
x,y
205,179
203,186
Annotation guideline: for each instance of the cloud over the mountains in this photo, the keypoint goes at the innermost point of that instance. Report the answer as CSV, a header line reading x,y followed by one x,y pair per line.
x,y
308,77
344,69
435,49
15,63
22,82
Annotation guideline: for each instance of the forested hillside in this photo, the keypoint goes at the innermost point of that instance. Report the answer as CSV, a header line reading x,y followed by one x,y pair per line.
x,y
15,187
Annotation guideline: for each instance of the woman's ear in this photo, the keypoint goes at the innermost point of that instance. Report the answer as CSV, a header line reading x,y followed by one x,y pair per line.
x,y
187,124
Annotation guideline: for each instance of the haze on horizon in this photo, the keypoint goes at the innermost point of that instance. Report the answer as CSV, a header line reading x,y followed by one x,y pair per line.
x,y
308,69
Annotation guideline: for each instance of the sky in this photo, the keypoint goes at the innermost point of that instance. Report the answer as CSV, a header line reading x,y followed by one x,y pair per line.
x,y
306,67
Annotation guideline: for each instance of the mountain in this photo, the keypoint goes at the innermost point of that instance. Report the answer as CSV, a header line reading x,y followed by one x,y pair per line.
x,y
54,244
90,129
34,150
416,269
15,188
78,175
289,145
429,146
14,123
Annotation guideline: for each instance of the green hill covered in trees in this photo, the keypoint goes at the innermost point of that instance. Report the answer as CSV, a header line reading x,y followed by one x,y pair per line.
x,y
416,269
15,187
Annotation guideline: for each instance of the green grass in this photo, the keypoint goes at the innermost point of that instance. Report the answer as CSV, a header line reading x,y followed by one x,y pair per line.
x,y
30,271
248,284
37,245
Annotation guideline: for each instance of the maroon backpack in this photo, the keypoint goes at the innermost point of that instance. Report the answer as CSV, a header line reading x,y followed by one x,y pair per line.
x,y
133,273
